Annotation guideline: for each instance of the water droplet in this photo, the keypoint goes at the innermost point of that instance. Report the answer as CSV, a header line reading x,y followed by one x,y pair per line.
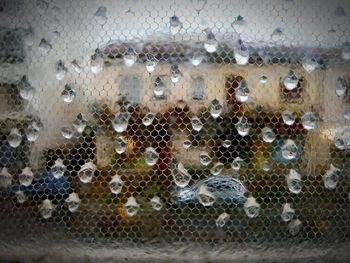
x,y
226,143
156,203
5,178
211,44
58,169
187,144
217,168
61,70
116,184
151,64
243,126
175,25
341,87
222,220
331,177
196,59
289,150
263,79
32,131
120,144
96,64
73,201
277,34
239,24
159,88
251,207
180,175
287,212
131,206
26,177
175,73
130,57
288,118
151,156
80,123
346,51
290,81
148,119
197,125
204,158
21,197
68,94
308,120
101,15
14,138
26,90
347,112
295,226
241,53
242,92
86,172
29,37
75,65
309,64
265,166
120,121
237,163
294,181
205,197
268,135
215,108
342,139
67,132
46,208
44,46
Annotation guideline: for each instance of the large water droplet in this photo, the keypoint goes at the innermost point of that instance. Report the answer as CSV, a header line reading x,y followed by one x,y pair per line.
x,y
222,220
205,197
32,131
26,177
295,226
68,94
44,46
148,119
86,172
241,53
159,88
180,175
116,184
131,206
288,117
120,144
5,178
346,51
331,177
21,197
242,92
237,163
26,90
217,168
120,121
58,168
310,64
291,81
61,70
294,181
156,203
211,44
175,25
67,132
251,207
80,123
268,135
243,126
196,59
75,65
308,120
14,138
130,57
175,73
239,24
46,208
73,202
151,156
204,158
287,212
289,150
151,64
197,124
101,15
341,87
342,139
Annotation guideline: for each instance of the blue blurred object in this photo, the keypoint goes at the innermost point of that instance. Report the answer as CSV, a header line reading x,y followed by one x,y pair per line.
x,y
8,155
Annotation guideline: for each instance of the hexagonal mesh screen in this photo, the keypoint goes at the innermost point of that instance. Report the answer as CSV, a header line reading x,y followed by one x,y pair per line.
x,y
162,129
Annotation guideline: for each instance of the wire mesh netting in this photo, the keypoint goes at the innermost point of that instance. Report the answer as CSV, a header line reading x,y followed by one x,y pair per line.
x,y
171,125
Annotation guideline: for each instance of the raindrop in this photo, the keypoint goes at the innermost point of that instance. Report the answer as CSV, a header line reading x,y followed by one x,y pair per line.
x,y
67,132
46,208
341,87
287,212
120,144
5,178
215,108
96,63
331,177
347,112
151,156
61,70
237,163
151,64
68,94
288,118
86,172
268,135
175,73
159,88
211,44
295,226
180,175
346,51
73,201
26,90
222,220
21,197
197,125
196,59
241,53
277,34
131,206
120,121
75,65
263,79
187,144
32,131
29,37
342,140
44,46
148,119
116,184
101,15
204,158
242,92
308,120
217,168
291,81
130,57
294,181
58,169
243,126
265,166
156,203
309,64
26,177
289,150
226,143
14,138
205,197
239,24
251,207
80,123
175,25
